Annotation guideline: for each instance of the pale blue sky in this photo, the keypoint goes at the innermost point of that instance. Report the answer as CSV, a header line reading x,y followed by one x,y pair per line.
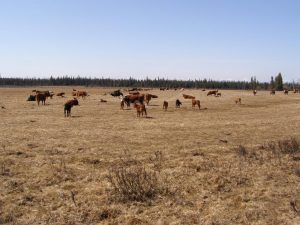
x,y
185,39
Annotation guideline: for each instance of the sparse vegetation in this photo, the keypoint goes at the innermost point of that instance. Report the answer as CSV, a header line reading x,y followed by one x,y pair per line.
x,y
133,182
55,170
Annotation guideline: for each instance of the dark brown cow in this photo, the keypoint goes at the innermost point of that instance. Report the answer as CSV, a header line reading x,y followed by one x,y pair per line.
x,y
178,103
272,92
41,97
140,109
68,106
188,96
195,102
165,105
254,92
148,97
286,92
214,92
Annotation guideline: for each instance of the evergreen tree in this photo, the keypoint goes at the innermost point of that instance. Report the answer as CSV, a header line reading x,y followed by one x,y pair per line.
x,y
279,82
272,83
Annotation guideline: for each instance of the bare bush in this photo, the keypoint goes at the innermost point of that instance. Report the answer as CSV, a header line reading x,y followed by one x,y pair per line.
x,y
289,146
133,182
242,151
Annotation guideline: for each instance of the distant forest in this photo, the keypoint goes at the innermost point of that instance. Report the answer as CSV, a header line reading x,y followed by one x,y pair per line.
x,y
276,83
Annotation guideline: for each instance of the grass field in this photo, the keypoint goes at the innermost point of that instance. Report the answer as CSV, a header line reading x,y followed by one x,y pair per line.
x,y
223,164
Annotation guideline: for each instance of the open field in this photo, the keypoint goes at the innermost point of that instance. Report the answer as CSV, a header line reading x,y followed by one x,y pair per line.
x,y
54,170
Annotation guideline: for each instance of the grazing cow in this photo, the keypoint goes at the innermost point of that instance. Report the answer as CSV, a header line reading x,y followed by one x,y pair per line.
x,y
165,105
132,98
178,103
195,102
68,106
218,94
254,92
61,94
286,92
116,93
272,92
214,92
41,97
238,100
83,94
188,96
148,97
203,90
140,109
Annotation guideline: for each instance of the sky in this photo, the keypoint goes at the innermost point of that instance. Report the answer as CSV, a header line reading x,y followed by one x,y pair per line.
x,y
174,39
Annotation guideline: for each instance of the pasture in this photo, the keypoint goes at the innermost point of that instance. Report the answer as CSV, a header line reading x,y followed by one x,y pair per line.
x,y
222,164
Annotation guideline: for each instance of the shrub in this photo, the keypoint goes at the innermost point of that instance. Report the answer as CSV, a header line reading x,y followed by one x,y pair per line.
x,y
289,146
131,181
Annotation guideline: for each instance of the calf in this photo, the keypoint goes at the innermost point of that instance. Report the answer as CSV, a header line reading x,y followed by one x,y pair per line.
x,y
254,92
286,92
195,102
178,103
165,105
140,109
272,92
68,106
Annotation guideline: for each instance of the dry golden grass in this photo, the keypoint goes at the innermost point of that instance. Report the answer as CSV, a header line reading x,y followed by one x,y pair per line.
x,y
218,165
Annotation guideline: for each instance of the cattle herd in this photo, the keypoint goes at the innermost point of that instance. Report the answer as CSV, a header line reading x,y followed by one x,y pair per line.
x,y
134,97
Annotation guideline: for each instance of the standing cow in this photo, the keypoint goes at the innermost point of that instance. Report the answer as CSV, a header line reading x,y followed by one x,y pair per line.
x,y
68,106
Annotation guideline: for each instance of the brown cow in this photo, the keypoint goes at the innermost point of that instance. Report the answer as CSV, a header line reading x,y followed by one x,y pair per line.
x,y
238,100
68,106
254,92
195,102
188,96
165,105
140,109
82,94
272,92
61,94
133,98
286,92
41,97
214,92
148,98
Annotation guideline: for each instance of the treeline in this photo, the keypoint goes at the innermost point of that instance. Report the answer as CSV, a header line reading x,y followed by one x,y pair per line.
x,y
131,82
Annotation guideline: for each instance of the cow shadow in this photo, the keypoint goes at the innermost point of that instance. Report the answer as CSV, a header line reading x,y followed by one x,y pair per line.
x,y
148,117
154,105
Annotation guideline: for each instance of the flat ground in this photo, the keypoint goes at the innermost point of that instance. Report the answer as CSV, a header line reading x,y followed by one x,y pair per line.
x,y
53,170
